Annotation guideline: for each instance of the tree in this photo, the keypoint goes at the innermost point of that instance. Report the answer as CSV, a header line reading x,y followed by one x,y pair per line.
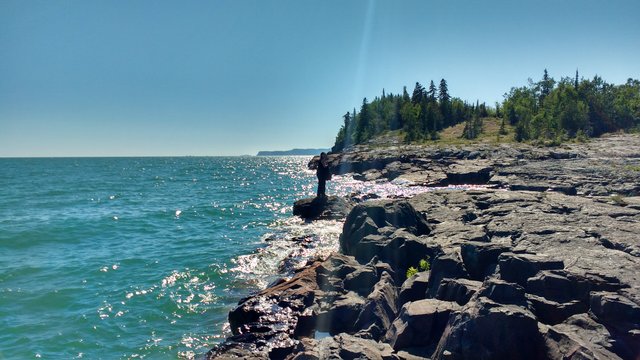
x,y
545,85
432,92
418,94
445,105
410,115
364,127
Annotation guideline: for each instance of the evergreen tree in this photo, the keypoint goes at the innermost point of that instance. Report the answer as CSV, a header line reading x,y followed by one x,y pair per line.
x,y
445,103
432,91
418,94
364,127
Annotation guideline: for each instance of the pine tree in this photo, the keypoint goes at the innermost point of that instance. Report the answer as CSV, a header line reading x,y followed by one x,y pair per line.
x,y
363,129
445,103
418,94
575,81
432,91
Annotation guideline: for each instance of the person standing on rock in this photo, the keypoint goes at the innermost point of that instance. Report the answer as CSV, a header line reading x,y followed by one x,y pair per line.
x,y
323,174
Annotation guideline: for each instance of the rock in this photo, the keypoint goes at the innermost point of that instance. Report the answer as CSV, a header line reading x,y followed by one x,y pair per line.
x,y
362,280
480,258
420,323
486,330
318,208
445,266
559,286
580,337
552,312
458,290
343,346
520,267
503,292
469,172
612,308
366,218
341,315
414,288
379,309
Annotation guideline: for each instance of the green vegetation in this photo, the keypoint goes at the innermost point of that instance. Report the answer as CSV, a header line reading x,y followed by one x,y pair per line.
x,y
420,116
547,112
571,108
423,265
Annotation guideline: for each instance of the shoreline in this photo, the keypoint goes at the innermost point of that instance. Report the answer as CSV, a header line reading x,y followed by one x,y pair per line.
x,y
537,271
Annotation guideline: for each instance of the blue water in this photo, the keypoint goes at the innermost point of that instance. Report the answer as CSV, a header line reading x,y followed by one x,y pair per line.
x,y
138,257
117,258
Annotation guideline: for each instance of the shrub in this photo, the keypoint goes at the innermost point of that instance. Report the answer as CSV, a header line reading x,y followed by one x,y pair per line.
x,y
411,271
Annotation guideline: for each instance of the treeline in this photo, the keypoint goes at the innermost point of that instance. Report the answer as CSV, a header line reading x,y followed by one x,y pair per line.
x,y
571,107
546,110
421,115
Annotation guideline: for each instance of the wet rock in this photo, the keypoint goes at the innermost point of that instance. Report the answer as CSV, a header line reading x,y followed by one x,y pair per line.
x,y
420,323
319,208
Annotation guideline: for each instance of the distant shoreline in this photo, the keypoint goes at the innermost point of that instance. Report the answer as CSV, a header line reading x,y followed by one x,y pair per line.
x,y
292,152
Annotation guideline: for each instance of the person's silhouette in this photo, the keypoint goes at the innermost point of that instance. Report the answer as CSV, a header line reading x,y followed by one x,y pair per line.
x,y
323,174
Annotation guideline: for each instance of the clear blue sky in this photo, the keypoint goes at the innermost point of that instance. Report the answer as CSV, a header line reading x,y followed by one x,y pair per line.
x,y
108,78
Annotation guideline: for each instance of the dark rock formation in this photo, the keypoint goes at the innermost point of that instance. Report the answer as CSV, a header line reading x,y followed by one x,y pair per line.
x,y
420,323
541,273
318,208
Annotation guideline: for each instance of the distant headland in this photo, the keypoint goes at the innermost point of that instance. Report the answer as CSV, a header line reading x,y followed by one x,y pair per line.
x,y
292,152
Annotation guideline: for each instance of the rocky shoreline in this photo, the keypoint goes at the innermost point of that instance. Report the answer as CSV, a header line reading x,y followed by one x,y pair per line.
x,y
544,265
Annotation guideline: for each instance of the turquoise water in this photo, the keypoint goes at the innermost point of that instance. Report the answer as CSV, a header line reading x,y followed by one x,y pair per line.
x,y
139,257
117,258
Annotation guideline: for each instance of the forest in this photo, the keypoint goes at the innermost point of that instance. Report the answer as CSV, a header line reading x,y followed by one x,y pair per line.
x,y
545,110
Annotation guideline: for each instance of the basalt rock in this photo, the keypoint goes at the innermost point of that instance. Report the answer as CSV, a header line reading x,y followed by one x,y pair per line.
x,y
420,323
321,208
538,273
484,329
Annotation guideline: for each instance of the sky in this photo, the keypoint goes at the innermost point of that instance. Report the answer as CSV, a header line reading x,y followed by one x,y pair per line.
x,y
173,78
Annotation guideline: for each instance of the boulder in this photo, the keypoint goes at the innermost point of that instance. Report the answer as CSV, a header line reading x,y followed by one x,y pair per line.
x,y
366,218
420,323
322,208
